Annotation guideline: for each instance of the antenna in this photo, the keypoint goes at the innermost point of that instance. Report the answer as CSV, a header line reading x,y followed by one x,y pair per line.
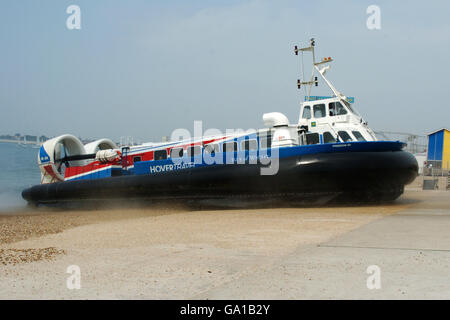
x,y
313,80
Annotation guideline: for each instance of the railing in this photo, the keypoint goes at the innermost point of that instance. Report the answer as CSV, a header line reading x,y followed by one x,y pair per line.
x,y
436,168
414,143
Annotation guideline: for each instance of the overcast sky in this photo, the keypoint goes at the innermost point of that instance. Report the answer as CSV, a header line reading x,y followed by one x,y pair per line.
x,y
144,68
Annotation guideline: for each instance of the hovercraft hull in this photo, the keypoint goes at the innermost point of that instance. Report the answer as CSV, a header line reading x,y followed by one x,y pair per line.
x,y
362,176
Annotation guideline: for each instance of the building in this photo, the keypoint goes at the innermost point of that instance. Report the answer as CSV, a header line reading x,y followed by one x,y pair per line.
x,y
438,155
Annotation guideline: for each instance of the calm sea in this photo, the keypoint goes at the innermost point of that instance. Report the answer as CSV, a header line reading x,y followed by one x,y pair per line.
x,y
19,170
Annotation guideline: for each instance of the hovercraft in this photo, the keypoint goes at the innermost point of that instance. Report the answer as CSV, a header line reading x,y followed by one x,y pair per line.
x,y
331,152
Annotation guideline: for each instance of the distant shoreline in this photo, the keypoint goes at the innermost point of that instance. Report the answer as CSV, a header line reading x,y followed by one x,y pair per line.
x,y
19,142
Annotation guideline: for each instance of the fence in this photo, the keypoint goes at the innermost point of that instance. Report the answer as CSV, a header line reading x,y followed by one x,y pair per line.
x,y
414,143
436,168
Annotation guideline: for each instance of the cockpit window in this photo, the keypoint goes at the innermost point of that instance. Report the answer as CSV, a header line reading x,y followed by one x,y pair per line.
x,y
328,137
319,111
345,137
336,109
358,136
306,112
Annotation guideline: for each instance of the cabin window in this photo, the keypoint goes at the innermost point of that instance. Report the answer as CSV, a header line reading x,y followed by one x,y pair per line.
x,y
194,151
116,173
176,152
249,145
211,148
230,147
319,110
265,141
358,136
306,112
312,138
345,137
337,109
136,159
160,155
328,137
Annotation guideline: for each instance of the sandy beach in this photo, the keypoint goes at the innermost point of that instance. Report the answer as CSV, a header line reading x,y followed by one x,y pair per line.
x,y
176,252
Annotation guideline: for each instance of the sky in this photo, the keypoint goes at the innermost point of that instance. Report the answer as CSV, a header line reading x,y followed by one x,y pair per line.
x,y
144,68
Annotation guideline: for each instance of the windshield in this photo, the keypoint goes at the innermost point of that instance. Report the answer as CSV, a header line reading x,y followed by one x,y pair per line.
x,y
349,106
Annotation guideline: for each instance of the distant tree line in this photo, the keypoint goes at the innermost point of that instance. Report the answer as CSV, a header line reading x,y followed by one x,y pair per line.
x,y
27,137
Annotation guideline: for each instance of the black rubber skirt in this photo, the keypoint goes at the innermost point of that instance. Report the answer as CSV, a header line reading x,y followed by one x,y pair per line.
x,y
351,176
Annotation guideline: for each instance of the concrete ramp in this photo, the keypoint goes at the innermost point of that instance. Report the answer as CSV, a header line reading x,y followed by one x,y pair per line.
x,y
411,249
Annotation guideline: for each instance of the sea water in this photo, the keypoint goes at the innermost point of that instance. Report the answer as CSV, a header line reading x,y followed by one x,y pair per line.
x,y
18,170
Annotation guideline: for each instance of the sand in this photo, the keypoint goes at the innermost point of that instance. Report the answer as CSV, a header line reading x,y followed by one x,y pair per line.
x,y
163,252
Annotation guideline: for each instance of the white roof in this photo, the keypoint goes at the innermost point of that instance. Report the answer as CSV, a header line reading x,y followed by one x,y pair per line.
x,y
429,134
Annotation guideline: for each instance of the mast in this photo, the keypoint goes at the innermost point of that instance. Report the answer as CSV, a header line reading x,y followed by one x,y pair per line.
x,y
322,71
